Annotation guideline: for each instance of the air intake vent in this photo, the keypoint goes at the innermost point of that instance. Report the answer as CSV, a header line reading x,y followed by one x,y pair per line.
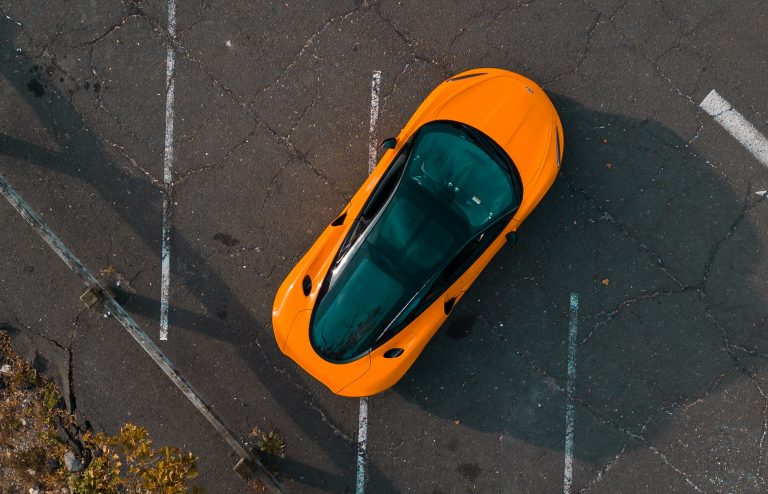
x,y
340,220
467,76
306,285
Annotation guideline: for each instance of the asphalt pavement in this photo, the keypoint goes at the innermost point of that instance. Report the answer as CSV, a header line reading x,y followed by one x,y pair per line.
x,y
656,222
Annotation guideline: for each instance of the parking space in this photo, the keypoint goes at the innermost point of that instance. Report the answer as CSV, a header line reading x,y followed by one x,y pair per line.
x,y
654,222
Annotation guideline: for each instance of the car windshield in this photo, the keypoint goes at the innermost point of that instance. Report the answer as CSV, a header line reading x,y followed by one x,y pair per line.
x,y
455,183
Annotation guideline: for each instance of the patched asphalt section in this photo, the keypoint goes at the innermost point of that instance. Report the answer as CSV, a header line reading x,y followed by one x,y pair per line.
x,y
654,221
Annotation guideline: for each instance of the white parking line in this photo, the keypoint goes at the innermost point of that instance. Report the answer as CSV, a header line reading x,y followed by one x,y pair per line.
x,y
570,391
362,426
375,88
165,249
362,446
736,125
119,313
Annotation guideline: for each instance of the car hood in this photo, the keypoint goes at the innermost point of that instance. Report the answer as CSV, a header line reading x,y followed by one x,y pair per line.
x,y
516,121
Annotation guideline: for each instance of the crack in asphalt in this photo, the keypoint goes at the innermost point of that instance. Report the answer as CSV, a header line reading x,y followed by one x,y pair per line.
x,y
583,53
606,317
205,5
133,162
645,55
699,288
310,41
44,56
269,188
180,177
303,114
464,29
605,214
66,348
410,44
292,149
318,409
114,27
744,370
605,468
686,477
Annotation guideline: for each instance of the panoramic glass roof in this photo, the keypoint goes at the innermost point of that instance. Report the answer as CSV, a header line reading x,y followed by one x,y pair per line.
x,y
454,183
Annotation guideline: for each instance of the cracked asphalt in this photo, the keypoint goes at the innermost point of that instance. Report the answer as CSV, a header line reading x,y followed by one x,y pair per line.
x,y
654,221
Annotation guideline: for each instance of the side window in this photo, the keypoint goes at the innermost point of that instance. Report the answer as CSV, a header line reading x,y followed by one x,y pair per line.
x,y
384,188
376,201
470,252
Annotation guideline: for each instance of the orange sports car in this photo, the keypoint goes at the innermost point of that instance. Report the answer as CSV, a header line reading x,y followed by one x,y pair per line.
x,y
452,188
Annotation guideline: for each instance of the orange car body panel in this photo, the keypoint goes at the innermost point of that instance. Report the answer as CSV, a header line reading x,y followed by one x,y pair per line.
x,y
509,108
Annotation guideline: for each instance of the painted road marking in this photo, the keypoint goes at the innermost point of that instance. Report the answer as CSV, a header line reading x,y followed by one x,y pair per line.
x,y
763,193
736,125
362,425
117,310
165,248
362,446
375,88
570,391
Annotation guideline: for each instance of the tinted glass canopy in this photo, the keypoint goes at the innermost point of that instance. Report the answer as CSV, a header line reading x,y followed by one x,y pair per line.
x,y
448,185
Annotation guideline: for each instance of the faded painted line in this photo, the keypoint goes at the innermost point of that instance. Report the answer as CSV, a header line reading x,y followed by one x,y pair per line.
x,y
362,446
165,248
375,89
736,125
570,391
362,424
117,310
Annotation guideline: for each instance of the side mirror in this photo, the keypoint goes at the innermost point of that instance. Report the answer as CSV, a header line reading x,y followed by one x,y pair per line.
x,y
511,239
388,144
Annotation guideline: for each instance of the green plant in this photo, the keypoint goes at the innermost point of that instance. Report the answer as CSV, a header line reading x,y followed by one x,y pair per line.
x,y
128,463
32,451
269,443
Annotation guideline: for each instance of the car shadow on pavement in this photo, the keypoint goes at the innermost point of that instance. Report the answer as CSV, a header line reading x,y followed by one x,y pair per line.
x,y
136,200
637,224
